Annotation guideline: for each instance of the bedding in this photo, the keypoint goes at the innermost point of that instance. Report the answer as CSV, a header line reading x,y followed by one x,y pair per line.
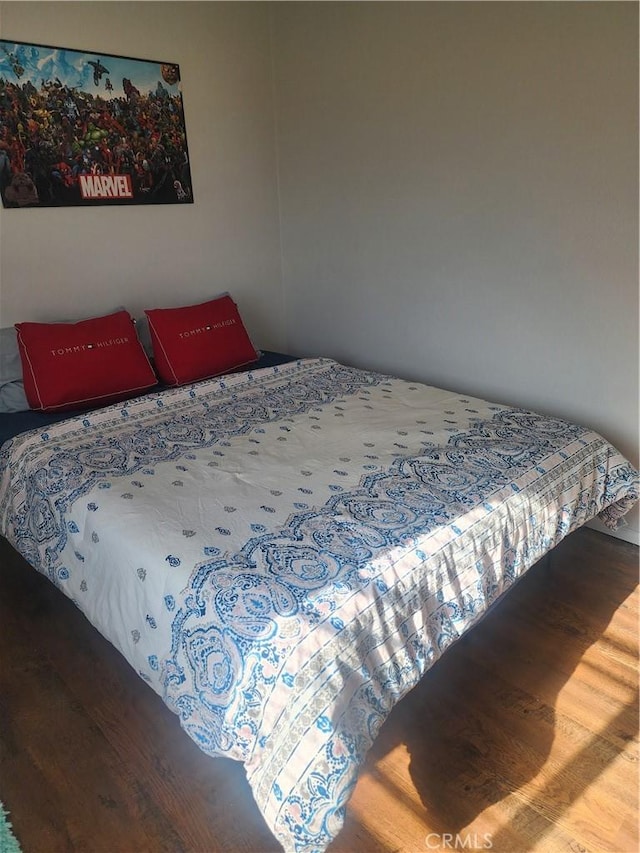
x,y
199,341
22,419
12,391
12,397
91,362
282,553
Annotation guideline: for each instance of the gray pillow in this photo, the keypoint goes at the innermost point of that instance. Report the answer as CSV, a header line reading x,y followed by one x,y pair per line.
x,y
144,335
10,364
13,398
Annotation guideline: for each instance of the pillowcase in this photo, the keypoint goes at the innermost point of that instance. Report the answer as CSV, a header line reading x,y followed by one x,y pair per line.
x,y
144,335
10,366
199,341
12,396
74,365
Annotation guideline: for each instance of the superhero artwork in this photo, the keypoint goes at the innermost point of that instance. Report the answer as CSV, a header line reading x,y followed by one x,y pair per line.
x,y
86,129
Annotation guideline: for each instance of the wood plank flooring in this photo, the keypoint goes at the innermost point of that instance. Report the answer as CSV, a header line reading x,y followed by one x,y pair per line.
x,y
522,738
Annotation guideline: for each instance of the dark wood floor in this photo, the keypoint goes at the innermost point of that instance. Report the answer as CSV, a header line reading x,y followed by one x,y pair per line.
x,y
523,738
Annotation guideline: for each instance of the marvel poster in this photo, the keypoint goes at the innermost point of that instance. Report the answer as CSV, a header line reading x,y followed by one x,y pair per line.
x,y
84,129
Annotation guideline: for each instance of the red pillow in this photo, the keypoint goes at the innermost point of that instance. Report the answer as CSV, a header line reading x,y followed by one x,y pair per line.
x,y
199,341
75,365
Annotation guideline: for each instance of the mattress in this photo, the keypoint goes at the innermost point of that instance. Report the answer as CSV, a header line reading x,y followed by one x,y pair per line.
x,y
281,554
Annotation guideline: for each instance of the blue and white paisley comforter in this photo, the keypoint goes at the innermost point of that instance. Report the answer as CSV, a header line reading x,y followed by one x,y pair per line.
x,y
282,554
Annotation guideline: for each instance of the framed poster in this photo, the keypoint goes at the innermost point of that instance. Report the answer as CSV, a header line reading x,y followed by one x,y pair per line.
x,y
86,129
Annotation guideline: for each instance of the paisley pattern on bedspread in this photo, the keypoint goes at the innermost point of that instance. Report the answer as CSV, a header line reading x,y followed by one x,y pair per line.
x,y
304,543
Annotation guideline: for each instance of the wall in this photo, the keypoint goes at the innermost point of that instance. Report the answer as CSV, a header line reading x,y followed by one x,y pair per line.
x,y
458,190
63,263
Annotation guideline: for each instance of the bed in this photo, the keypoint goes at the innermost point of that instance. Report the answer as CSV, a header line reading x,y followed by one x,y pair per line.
x,y
282,553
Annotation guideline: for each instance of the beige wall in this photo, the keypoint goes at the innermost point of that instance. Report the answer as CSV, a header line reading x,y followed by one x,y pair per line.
x,y
458,190
70,262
